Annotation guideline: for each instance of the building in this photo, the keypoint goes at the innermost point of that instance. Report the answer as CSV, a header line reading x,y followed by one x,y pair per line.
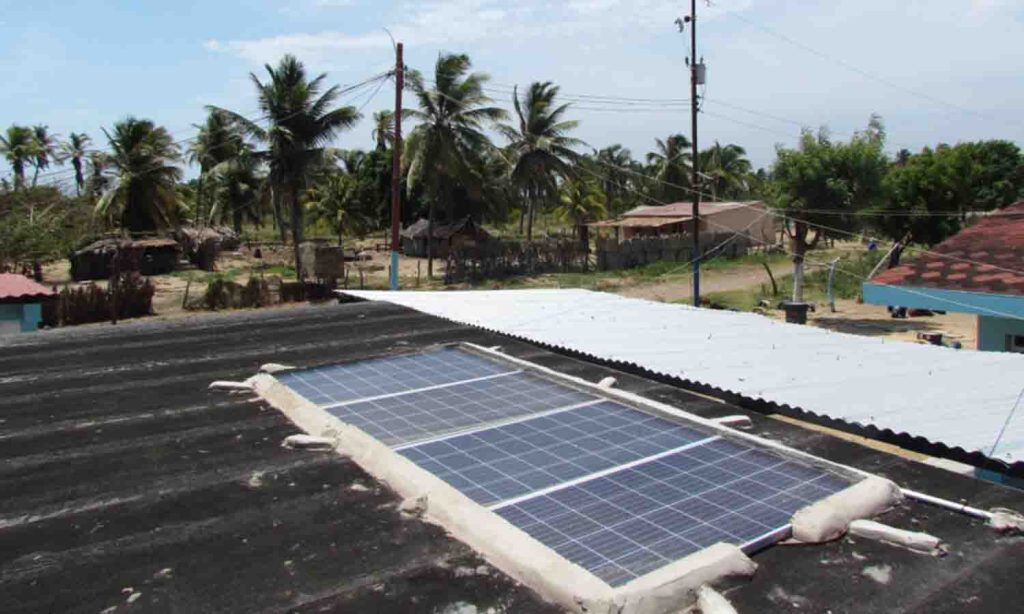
x,y
980,271
464,232
21,303
752,218
146,492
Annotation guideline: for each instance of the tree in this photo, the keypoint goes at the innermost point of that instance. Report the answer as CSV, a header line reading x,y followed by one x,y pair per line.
x,y
334,200
669,165
18,145
303,120
619,176
541,150
75,150
44,151
821,177
220,140
444,150
98,181
934,192
384,129
727,171
144,194
581,202
238,190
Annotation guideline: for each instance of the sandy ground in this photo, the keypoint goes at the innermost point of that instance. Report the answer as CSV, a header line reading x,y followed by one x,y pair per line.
x,y
875,321
738,278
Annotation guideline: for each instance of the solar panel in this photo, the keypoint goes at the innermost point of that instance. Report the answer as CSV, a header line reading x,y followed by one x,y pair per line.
x,y
344,383
509,461
616,490
624,525
415,416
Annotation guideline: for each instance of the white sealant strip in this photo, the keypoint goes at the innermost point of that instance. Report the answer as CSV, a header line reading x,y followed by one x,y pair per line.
x,y
498,424
424,389
600,474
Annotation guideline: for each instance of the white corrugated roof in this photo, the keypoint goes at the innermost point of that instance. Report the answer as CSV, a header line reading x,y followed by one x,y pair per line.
x,y
959,398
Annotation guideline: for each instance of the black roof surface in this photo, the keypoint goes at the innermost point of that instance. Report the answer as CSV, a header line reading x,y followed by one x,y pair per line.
x,y
126,486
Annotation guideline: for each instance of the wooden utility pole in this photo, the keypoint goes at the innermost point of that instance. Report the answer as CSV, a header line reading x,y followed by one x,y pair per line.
x,y
694,161
396,167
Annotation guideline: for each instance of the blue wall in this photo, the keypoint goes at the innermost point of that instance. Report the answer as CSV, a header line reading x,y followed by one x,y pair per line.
x,y
997,313
28,316
992,332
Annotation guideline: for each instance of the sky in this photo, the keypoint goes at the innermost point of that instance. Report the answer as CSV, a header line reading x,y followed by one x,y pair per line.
x,y
935,70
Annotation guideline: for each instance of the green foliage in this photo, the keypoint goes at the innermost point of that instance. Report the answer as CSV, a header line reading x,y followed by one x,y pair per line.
x,y
75,150
18,145
727,171
444,154
303,120
931,192
144,196
542,152
39,225
669,165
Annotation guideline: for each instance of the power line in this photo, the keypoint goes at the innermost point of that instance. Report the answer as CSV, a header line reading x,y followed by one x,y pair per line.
x,y
851,67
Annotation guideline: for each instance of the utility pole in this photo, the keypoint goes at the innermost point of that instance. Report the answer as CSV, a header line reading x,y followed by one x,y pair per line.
x,y
695,70
396,167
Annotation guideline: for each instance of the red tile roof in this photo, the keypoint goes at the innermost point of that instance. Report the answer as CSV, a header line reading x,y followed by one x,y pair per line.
x,y
18,287
987,257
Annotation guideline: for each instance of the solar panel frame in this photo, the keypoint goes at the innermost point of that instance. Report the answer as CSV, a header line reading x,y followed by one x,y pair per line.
x,y
723,503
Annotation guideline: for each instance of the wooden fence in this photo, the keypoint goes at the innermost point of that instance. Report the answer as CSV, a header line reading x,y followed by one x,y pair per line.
x,y
497,259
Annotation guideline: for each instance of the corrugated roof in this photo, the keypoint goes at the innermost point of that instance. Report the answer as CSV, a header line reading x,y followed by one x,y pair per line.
x,y
957,398
18,287
685,209
640,222
986,257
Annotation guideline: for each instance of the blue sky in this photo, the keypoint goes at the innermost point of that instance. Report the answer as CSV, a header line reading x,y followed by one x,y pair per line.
x,y
952,69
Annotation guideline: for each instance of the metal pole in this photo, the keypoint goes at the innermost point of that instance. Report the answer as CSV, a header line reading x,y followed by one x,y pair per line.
x,y
396,168
831,282
694,161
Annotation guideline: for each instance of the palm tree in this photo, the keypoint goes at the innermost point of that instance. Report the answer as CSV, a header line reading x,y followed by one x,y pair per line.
x,y
19,146
333,200
97,182
75,150
444,150
727,170
219,140
383,129
302,123
670,166
45,150
542,152
237,189
619,173
581,202
144,157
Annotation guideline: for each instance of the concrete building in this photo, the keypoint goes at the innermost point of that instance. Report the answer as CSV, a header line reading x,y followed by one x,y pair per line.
x,y
21,304
752,218
977,271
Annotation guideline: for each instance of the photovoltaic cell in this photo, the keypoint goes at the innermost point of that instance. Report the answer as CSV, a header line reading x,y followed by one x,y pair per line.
x,y
634,521
334,384
416,416
506,462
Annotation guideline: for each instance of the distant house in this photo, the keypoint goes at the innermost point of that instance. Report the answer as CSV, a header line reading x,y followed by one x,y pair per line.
x,y
977,271
21,304
752,218
445,237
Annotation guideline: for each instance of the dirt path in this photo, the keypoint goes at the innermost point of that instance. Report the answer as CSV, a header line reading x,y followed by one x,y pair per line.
x,y
714,280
